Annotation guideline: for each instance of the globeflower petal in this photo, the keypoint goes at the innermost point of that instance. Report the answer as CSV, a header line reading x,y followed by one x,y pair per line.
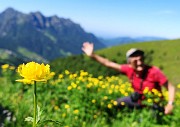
x,y
25,81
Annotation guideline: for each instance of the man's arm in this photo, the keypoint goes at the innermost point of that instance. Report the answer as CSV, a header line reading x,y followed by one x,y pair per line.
x,y
88,50
171,92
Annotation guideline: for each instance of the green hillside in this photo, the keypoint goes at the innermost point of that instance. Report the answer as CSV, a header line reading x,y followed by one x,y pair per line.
x,y
163,54
9,57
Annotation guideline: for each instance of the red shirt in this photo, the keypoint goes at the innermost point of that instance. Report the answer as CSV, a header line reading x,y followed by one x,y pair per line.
x,y
152,78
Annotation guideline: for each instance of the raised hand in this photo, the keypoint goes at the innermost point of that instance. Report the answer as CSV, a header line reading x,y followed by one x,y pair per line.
x,y
88,48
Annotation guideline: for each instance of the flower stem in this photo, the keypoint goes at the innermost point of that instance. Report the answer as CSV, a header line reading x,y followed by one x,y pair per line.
x,y
35,105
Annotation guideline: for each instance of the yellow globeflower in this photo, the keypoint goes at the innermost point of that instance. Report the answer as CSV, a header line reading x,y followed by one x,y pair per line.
x,y
100,77
73,85
67,72
69,87
178,86
95,116
145,90
34,72
52,74
64,115
102,103
110,91
76,111
149,100
122,103
5,66
125,94
60,76
93,101
115,103
159,94
56,107
105,97
11,67
155,91
67,106
109,106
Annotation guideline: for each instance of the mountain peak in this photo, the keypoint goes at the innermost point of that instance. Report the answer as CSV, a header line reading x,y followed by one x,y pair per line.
x,y
10,14
10,11
39,20
37,14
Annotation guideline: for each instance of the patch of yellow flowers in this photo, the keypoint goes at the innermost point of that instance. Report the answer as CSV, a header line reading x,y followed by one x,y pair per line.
x,y
154,96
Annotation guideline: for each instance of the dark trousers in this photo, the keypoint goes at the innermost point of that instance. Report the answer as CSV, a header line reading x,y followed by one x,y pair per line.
x,y
157,111
127,102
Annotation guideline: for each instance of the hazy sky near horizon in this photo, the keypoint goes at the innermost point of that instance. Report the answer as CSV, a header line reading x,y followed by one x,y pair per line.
x,y
110,18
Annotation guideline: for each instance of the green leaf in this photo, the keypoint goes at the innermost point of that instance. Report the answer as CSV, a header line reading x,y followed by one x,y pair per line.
x,y
38,114
29,119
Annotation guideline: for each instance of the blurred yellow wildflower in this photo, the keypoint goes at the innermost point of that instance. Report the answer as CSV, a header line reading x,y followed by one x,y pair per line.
x,y
95,116
166,95
67,106
102,103
110,91
71,76
52,74
105,97
79,88
69,87
112,86
115,103
178,86
100,77
159,94
64,115
145,90
73,85
34,72
109,106
11,67
112,101
67,72
76,111
155,91
116,87
126,94
83,73
149,100
103,86
89,85
122,91
93,101
56,107
5,66
60,76
156,100
122,103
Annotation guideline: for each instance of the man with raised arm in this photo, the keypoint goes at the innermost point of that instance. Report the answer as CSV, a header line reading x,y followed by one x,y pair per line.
x,y
140,75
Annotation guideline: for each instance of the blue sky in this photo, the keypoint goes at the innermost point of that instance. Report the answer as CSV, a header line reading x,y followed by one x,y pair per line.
x,y
110,18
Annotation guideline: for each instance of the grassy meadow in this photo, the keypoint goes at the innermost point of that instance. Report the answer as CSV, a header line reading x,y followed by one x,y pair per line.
x,y
79,98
